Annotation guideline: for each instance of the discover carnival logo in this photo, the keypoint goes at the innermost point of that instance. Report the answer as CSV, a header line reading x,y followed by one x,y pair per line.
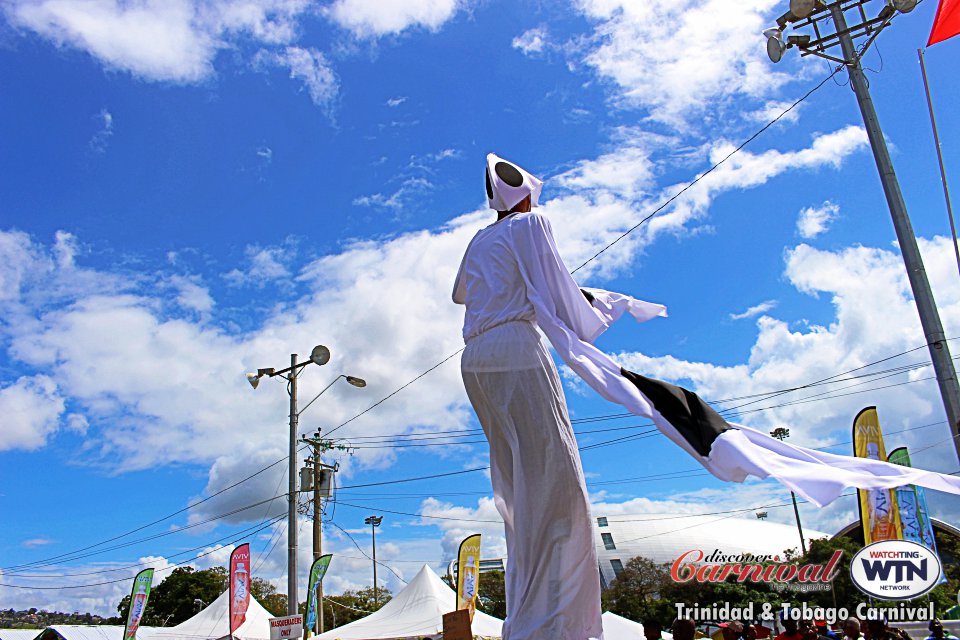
x,y
895,570
695,565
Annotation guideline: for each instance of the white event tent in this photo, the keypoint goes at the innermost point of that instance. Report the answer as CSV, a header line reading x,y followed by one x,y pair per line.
x,y
619,628
416,612
213,623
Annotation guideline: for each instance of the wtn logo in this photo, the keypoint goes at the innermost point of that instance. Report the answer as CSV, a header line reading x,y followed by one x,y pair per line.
x,y
895,570
902,569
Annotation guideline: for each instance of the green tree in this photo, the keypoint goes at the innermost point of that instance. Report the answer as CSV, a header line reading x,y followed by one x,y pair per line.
x,y
172,601
636,593
492,595
266,594
351,605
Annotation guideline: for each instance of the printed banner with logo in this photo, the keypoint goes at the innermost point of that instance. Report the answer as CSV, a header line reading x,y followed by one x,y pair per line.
x,y
879,513
317,571
468,574
239,586
138,603
914,517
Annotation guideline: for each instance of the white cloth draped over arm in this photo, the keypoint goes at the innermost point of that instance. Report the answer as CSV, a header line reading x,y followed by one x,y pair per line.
x,y
613,305
550,287
571,324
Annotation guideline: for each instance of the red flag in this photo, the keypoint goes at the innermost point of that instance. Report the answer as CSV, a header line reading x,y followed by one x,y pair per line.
x,y
239,586
947,23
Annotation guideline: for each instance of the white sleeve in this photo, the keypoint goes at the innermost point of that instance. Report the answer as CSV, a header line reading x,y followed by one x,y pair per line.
x,y
460,283
612,305
550,287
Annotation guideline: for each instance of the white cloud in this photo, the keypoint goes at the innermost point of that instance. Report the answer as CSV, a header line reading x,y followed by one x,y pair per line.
x,y
814,221
372,18
98,143
309,66
755,310
160,40
874,318
31,409
396,102
414,180
679,59
190,295
776,110
36,542
263,265
531,41
137,371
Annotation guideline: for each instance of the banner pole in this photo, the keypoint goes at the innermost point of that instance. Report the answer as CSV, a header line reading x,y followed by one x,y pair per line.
x,y
936,139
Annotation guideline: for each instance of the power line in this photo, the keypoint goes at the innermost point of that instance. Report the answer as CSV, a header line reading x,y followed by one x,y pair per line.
x,y
75,556
627,232
171,567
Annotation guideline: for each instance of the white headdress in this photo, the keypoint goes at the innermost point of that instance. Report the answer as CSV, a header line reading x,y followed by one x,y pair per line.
x,y
508,184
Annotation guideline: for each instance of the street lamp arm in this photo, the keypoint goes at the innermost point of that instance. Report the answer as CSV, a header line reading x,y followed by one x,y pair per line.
x,y
289,369
320,394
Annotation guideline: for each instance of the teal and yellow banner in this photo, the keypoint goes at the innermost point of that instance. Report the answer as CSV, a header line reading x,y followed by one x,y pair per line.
x,y
317,571
468,574
879,512
914,517
138,603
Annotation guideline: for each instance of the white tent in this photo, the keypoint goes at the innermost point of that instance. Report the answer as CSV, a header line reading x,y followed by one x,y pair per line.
x,y
88,632
417,611
214,622
619,628
19,634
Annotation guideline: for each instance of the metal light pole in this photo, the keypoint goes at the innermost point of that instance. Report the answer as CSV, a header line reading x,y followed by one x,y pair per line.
x,y
320,356
319,446
781,433
374,522
814,13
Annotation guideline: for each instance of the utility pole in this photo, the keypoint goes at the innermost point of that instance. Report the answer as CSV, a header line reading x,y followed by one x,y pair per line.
x,y
929,317
319,356
292,601
782,433
318,469
817,14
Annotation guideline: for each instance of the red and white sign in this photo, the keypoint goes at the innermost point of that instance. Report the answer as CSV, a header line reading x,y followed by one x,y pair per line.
x,y
286,627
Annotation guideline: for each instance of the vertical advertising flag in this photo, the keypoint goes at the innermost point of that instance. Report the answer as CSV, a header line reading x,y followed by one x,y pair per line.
x,y
879,513
914,517
468,574
317,571
239,586
138,603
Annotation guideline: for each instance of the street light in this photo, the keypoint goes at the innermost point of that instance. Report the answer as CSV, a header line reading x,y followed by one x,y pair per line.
x,y
319,487
320,355
818,20
374,522
782,433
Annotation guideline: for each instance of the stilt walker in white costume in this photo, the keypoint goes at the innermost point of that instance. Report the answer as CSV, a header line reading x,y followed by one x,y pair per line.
x,y
512,281
552,581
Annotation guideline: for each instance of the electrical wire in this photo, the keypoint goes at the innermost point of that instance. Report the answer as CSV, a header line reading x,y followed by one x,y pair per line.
x,y
388,567
169,568
140,540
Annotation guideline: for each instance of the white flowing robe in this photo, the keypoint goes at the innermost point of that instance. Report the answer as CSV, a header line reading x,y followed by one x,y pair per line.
x,y
552,577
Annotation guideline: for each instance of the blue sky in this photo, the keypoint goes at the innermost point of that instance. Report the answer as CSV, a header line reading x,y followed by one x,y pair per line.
x,y
191,190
